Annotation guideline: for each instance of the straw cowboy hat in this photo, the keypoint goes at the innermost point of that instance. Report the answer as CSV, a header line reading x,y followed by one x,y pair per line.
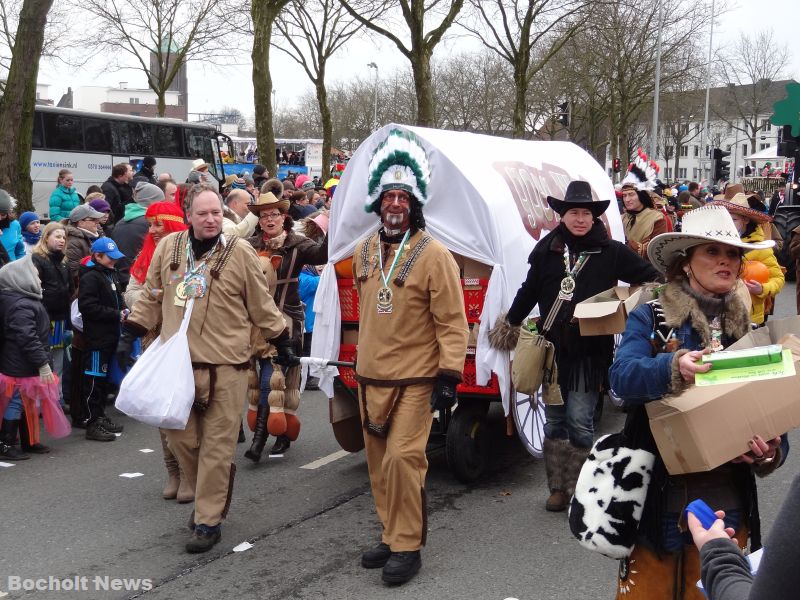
x,y
268,200
746,206
578,195
707,224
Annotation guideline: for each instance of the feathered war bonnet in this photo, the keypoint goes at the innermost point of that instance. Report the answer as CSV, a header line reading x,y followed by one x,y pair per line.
x,y
399,163
642,177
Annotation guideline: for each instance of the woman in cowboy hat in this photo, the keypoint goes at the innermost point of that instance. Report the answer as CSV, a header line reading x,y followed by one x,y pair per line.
x,y
697,311
751,223
284,253
577,259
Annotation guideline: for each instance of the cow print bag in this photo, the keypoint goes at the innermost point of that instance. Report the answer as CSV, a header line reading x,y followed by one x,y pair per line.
x,y
610,493
605,511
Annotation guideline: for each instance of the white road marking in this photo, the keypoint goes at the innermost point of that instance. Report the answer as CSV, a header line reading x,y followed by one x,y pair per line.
x,y
5,465
242,547
131,475
146,450
321,462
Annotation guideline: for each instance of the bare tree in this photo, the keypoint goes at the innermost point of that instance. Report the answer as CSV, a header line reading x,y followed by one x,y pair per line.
x,y
470,91
515,29
311,32
681,111
422,44
263,14
172,31
62,39
18,102
748,72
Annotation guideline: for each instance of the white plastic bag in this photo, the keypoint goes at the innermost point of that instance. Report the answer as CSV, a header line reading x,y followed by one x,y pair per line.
x,y
75,316
159,388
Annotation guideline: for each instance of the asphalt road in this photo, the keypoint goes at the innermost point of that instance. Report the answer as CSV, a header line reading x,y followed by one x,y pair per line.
x,y
70,515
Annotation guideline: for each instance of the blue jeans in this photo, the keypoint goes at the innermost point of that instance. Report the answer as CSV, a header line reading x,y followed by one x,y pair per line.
x,y
14,408
266,373
573,420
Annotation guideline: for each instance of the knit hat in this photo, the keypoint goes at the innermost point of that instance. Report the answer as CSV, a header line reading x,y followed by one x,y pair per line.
x,y
100,205
7,203
239,184
308,185
27,218
399,163
147,193
300,180
259,170
149,162
84,211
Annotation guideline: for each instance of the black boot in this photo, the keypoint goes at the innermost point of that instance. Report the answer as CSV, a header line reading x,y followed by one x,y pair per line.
x,y
203,538
376,557
8,441
281,445
401,567
25,442
260,434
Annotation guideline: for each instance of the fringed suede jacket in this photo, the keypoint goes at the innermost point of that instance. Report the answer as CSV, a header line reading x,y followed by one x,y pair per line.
x,y
642,373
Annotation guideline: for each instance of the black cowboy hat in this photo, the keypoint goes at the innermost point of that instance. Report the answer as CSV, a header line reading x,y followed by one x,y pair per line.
x,y
578,195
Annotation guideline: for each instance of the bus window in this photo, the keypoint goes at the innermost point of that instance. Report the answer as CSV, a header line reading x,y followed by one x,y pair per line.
x,y
168,140
97,133
38,138
62,132
132,138
194,142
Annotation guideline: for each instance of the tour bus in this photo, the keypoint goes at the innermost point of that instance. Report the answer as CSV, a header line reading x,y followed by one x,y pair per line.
x,y
298,155
90,143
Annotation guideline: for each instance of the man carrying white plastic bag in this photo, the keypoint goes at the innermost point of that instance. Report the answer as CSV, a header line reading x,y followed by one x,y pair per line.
x,y
224,279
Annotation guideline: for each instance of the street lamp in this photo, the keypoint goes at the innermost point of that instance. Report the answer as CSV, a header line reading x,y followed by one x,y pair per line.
x,y
372,65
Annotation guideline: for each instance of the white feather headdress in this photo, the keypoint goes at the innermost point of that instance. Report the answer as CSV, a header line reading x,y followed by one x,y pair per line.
x,y
399,163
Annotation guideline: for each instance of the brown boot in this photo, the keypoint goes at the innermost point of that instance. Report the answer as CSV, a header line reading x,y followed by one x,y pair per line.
x,y
173,472
572,468
185,491
555,454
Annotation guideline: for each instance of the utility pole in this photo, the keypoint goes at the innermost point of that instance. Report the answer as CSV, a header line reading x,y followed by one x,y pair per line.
x,y
657,91
372,65
704,136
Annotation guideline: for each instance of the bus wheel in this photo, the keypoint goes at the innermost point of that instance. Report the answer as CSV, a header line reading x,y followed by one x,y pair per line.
x,y
467,444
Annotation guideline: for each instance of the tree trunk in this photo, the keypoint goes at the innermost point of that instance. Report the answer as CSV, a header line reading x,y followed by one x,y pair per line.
x,y
327,125
18,102
423,86
264,13
162,103
520,104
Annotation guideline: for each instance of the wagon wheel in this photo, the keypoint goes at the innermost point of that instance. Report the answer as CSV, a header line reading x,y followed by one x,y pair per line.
x,y
529,419
466,443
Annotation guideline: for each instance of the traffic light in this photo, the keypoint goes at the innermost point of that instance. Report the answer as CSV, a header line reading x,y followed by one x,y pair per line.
x,y
787,143
720,168
616,165
563,113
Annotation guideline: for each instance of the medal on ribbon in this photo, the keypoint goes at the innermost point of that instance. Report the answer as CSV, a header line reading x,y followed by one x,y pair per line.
x,y
385,294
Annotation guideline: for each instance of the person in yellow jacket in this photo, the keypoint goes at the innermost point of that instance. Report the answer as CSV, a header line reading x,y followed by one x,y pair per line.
x,y
750,221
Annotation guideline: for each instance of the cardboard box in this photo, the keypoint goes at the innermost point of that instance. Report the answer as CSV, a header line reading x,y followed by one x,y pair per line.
x,y
605,313
706,427
471,269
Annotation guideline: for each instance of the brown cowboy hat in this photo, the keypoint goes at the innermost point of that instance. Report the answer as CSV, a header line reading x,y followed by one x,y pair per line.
x,y
747,207
733,189
268,200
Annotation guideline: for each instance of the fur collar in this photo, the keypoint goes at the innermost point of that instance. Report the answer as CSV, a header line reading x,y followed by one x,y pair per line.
x,y
680,307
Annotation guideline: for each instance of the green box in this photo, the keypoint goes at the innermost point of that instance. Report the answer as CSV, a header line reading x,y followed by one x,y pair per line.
x,y
749,357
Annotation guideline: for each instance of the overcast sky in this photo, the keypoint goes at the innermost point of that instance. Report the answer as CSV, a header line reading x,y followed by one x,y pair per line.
x,y
212,87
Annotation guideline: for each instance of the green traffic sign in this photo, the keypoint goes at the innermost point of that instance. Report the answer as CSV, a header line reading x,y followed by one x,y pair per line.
x,y
787,111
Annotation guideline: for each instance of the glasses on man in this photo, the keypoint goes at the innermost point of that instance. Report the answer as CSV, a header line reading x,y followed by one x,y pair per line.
x,y
270,216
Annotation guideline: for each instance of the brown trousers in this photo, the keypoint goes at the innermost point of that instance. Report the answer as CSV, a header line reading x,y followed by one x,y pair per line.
x,y
645,576
205,449
397,463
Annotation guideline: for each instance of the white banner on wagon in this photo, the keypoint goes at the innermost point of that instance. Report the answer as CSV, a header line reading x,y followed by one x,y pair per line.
x,y
487,200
